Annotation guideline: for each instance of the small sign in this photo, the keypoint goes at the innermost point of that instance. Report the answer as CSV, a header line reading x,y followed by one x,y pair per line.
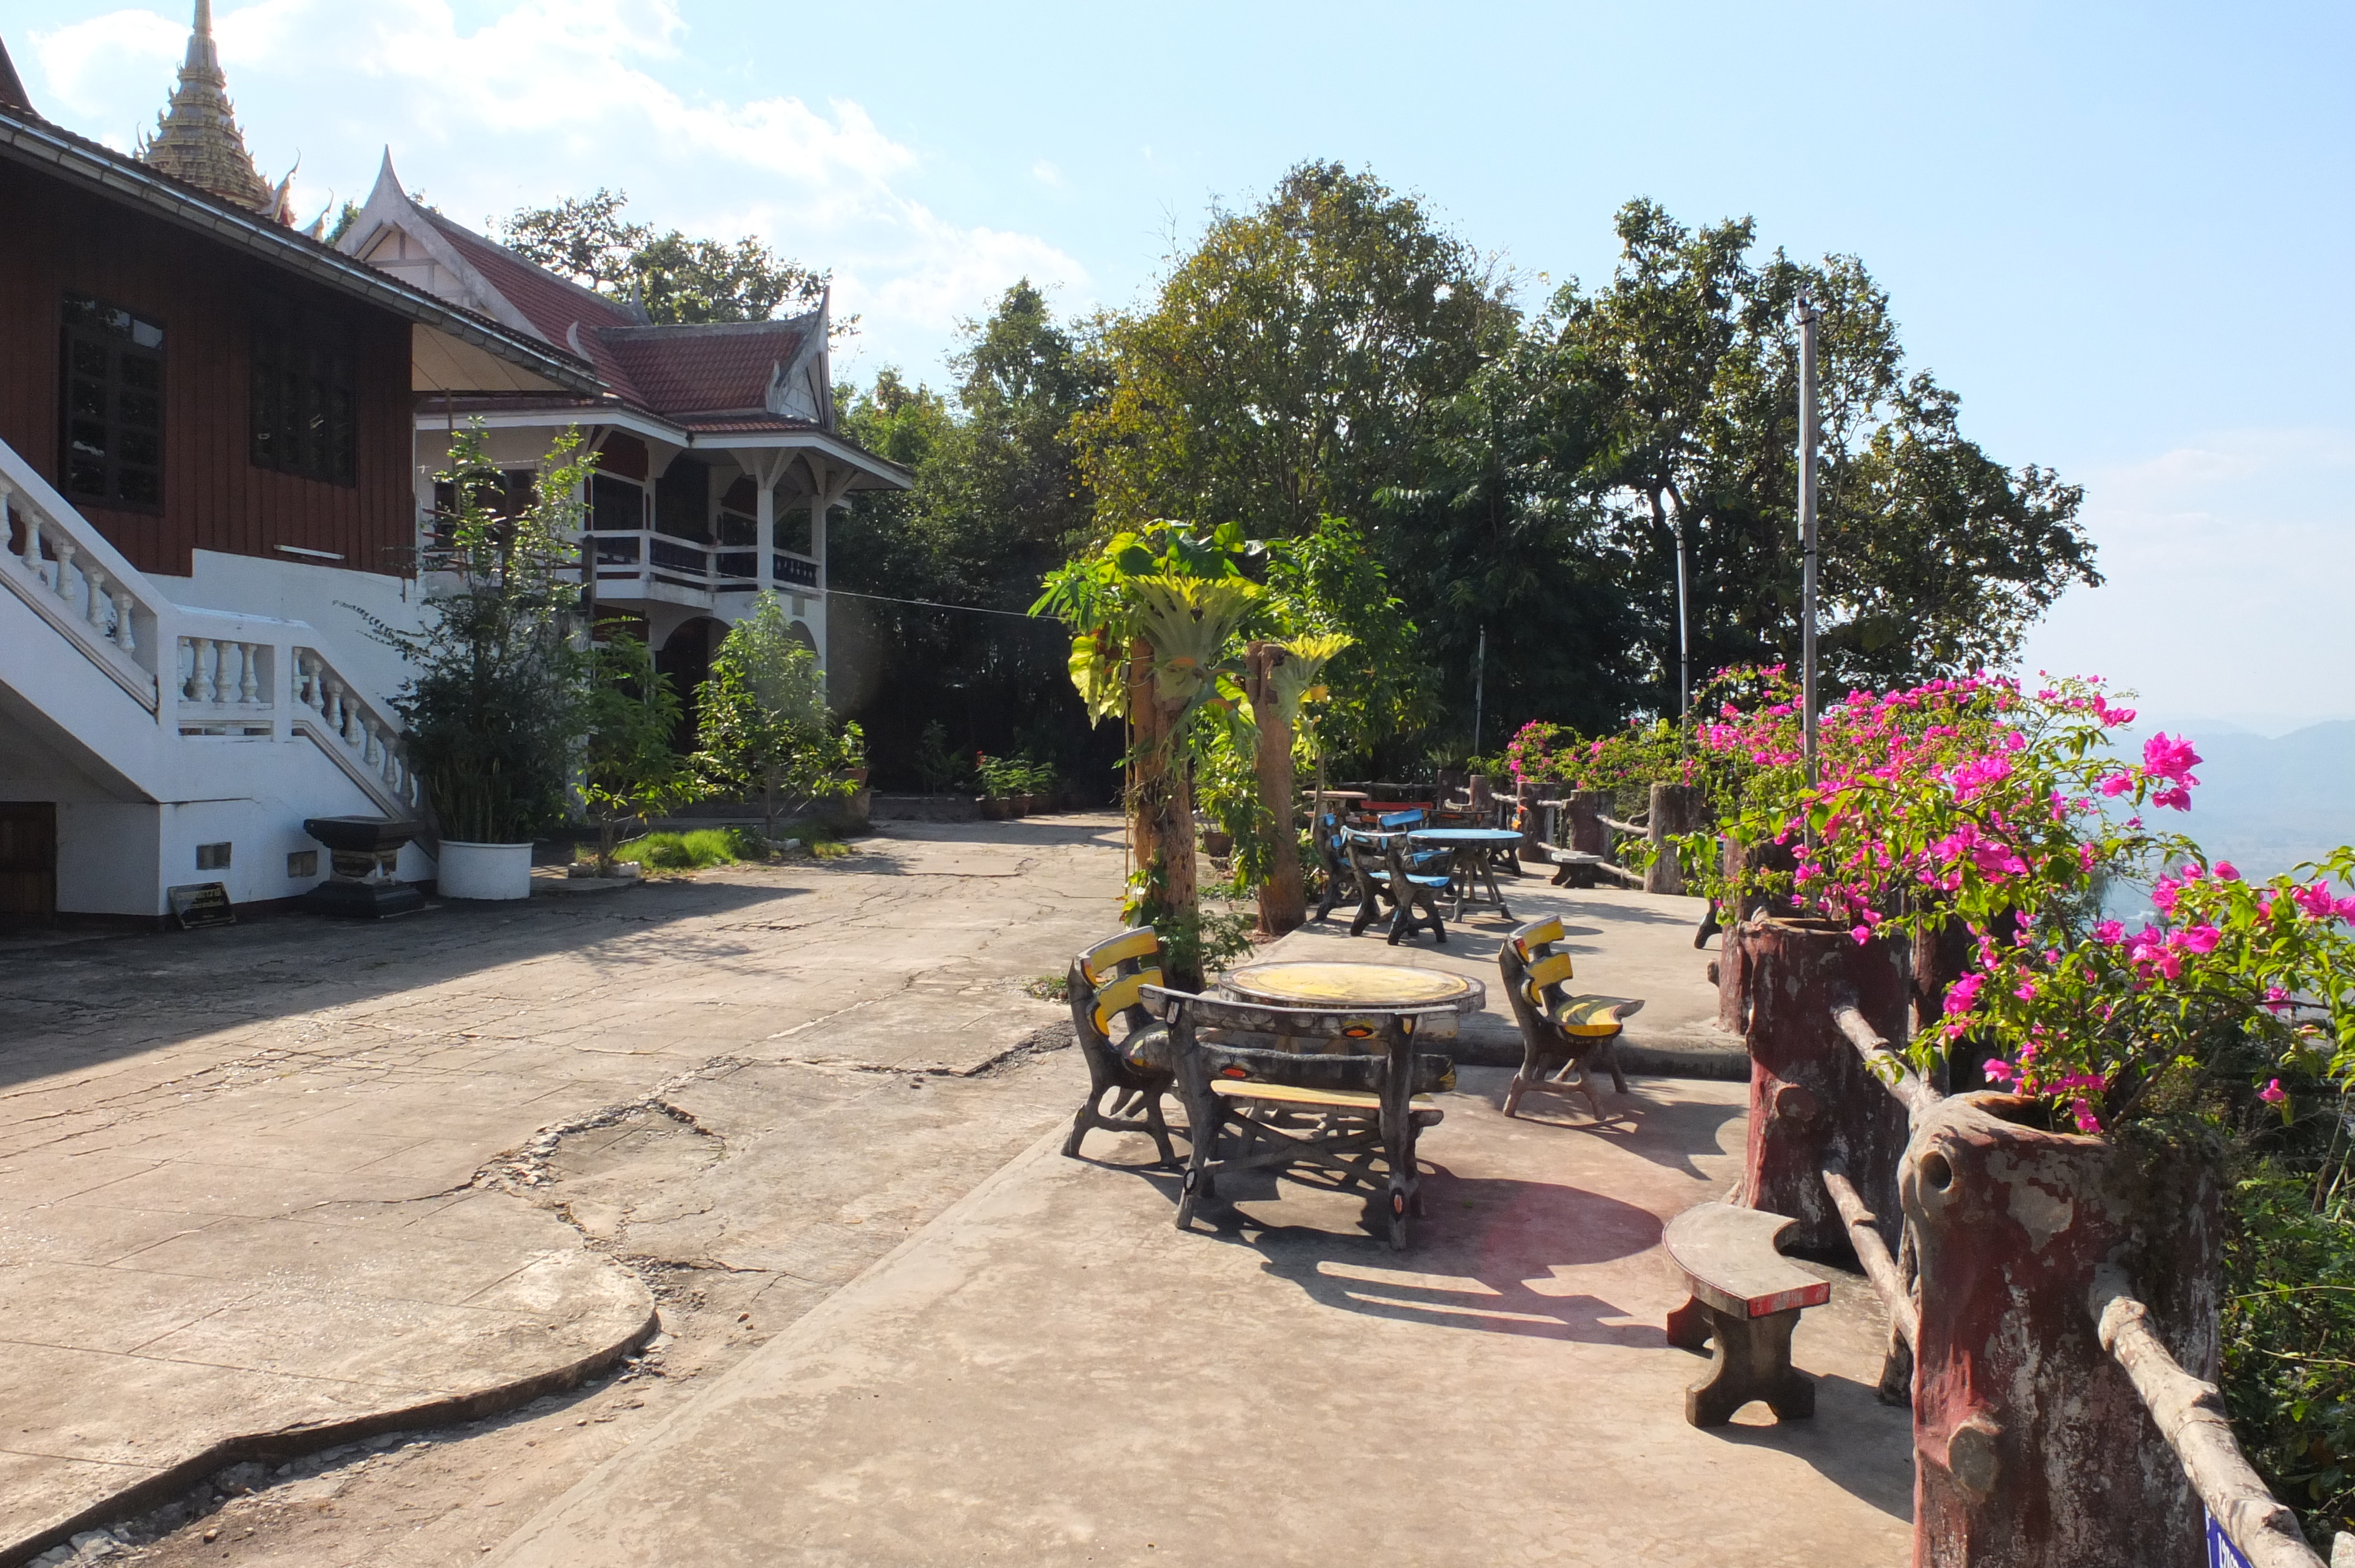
x,y
202,904
2222,1552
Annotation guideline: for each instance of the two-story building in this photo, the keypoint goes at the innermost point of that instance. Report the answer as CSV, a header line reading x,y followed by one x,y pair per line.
x,y
218,438
717,453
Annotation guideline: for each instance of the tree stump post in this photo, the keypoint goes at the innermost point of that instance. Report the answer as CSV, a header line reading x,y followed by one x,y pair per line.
x,y
1812,1098
2031,1447
1587,833
1675,809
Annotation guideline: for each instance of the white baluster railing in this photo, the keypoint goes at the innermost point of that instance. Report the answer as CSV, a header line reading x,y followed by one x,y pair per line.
x,y
75,581
227,683
368,741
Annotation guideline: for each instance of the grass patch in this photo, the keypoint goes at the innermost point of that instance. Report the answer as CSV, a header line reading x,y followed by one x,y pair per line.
x,y
1048,987
688,852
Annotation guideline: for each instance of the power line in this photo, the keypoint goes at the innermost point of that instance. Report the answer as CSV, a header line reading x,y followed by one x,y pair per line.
x,y
936,604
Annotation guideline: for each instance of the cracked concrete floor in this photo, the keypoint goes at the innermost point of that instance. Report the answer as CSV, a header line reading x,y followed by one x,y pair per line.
x,y
293,1183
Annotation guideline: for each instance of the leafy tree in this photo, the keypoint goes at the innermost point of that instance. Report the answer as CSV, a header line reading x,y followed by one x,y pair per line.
x,y
629,770
1290,362
997,501
764,724
674,276
1935,557
492,704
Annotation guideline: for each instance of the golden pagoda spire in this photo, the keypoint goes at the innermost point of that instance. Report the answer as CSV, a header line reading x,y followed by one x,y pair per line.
x,y
197,139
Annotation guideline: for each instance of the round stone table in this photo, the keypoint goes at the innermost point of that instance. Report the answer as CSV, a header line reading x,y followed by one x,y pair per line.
x,y
1344,985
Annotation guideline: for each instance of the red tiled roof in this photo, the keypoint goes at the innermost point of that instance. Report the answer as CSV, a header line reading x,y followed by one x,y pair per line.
x,y
553,305
739,424
724,367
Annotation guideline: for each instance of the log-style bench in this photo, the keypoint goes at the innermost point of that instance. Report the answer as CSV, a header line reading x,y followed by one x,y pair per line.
x,y
1747,1297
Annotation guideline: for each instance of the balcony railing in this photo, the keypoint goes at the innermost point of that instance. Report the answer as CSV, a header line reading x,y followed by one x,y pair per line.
x,y
645,556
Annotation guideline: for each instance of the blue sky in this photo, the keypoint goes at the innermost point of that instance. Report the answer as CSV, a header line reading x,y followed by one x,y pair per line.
x,y
2121,234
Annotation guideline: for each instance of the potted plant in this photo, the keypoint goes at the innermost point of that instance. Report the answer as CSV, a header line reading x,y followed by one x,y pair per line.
x,y
763,725
629,772
493,703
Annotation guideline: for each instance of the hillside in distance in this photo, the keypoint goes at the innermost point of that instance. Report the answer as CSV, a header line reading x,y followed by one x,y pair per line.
x,y
2268,804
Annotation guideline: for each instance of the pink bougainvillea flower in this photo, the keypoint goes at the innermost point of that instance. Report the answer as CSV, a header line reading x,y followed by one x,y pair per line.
x,y
1963,993
2315,900
1862,934
2117,784
1997,1070
2273,1093
2227,872
2175,798
2202,938
2170,756
2083,1111
2109,931
2276,999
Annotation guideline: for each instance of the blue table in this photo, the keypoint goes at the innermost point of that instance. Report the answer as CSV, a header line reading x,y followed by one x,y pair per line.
x,y
1471,848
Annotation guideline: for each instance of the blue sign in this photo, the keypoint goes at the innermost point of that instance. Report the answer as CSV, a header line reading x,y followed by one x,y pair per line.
x,y
2222,1552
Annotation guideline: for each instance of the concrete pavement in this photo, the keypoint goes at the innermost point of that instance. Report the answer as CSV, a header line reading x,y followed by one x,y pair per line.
x,y
267,1188
1050,1374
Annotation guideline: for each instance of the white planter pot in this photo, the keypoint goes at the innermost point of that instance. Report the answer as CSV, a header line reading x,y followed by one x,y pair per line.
x,y
485,871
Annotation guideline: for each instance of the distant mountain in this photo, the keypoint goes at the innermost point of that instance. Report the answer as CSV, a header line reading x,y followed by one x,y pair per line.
x,y
2266,805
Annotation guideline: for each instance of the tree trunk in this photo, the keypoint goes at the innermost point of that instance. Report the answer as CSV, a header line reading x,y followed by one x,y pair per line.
x,y
1162,817
1283,897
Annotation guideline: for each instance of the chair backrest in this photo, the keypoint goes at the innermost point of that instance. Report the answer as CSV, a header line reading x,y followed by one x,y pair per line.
x,y
1395,820
1107,980
1384,1041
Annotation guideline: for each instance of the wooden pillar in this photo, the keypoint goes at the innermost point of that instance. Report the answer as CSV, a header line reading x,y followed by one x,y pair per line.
x,y
1812,1098
1283,897
1675,809
2031,1446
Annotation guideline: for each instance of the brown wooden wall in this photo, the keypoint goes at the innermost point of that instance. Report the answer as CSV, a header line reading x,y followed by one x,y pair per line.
x,y
200,292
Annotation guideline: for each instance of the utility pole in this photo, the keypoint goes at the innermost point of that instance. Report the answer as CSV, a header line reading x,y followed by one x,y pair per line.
x,y
1684,641
1807,318
1479,688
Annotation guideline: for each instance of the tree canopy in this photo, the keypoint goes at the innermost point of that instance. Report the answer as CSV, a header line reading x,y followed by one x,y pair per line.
x,y
675,278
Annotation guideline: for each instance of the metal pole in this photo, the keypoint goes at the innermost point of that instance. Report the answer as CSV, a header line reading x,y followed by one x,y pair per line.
x,y
1684,653
1807,318
1479,688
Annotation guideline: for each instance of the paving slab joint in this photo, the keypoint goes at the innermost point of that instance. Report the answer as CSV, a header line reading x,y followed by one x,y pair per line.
x,y
295,1442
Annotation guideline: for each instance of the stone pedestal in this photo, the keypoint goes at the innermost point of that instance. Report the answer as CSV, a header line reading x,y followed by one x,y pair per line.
x,y
363,852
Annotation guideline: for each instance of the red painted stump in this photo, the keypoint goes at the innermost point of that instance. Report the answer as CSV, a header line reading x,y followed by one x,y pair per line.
x,y
1812,1098
2031,1446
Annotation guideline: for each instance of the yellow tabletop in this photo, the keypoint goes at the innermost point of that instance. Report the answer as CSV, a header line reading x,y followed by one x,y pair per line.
x,y
1351,985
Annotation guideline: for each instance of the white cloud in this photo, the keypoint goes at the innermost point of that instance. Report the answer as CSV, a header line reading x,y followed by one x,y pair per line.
x,y
2228,563
1046,173
553,98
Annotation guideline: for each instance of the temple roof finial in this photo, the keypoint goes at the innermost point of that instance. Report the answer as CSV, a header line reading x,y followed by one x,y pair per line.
x,y
197,139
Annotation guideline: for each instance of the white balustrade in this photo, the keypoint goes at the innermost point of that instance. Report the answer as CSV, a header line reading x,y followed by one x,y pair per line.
x,y
88,600
371,742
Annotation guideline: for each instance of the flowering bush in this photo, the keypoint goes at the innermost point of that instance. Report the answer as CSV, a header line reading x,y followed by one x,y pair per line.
x,y
1975,800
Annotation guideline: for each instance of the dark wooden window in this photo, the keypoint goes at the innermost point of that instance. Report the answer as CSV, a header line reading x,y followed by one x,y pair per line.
x,y
683,501
113,422
304,419
615,506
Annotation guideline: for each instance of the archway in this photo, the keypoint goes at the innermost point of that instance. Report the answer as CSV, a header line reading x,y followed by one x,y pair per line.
x,y
684,660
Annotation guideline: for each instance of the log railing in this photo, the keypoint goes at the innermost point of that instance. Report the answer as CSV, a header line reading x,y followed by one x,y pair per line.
x,y
2024,1453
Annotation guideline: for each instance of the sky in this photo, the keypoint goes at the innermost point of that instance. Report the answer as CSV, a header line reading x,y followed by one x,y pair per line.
x,y
2121,234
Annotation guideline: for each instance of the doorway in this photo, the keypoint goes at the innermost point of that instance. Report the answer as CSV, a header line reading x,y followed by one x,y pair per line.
x,y
684,660
29,861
